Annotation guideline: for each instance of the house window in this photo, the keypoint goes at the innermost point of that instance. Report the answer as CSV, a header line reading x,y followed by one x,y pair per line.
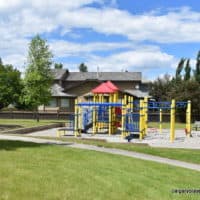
x,y
53,102
64,103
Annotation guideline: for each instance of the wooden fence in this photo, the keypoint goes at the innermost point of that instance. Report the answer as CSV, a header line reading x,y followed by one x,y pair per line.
x,y
33,115
154,117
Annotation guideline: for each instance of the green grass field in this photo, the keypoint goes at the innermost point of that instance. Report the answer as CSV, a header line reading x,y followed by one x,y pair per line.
x,y
187,155
31,122
166,125
27,122
35,171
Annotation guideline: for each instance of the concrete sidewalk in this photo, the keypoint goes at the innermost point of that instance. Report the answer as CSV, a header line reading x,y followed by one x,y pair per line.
x,y
105,150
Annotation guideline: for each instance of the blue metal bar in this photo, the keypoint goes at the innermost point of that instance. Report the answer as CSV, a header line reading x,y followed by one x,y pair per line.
x,y
181,104
99,104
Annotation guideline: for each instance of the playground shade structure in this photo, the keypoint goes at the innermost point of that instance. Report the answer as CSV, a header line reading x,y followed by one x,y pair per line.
x,y
105,88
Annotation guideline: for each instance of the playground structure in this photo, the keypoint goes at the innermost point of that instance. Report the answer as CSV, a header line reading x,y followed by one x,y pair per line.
x,y
104,110
171,107
109,112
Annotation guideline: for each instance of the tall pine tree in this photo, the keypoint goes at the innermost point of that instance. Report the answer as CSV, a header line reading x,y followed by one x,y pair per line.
x,y
180,68
197,69
187,70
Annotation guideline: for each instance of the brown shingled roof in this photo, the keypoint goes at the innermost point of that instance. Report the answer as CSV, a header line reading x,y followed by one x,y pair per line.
x,y
59,73
103,76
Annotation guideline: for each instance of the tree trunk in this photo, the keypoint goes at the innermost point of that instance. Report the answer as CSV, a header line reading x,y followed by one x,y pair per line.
x,y
37,116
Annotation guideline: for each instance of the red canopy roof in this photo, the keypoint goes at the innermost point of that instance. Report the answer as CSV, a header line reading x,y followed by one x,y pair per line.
x,y
112,85
103,88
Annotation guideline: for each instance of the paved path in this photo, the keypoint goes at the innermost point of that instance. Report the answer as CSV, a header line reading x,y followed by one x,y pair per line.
x,y
106,150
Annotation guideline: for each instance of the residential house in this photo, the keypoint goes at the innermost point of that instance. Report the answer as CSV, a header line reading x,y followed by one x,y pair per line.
x,y
70,85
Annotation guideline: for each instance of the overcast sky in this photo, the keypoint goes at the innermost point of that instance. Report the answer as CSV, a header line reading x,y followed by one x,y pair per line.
x,y
114,35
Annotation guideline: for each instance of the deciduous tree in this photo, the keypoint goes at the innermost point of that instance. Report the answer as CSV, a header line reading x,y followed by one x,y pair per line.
x,y
58,65
38,75
10,85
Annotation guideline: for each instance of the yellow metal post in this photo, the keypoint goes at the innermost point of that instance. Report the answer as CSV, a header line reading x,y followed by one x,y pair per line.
x,y
145,115
129,102
76,118
160,119
114,128
143,118
94,116
129,111
123,118
125,99
99,124
132,103
110,116
172,121
125,112
188,119
80,119
117,97
141,123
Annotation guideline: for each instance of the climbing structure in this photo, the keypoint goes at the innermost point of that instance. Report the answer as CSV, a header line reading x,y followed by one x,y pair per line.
x,y
107,111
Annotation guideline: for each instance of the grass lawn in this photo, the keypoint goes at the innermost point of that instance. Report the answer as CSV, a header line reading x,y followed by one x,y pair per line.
x,y
33,122
187,155
27,122
166,125
35,171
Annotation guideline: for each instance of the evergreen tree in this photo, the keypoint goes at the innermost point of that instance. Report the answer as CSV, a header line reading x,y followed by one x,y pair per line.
x,y
160,89
180,68
181,90
83,68
1,63
197,69
187,70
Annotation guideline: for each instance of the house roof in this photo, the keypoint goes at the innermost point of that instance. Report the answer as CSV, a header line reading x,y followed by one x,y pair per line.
x,y
104,76
59,73
101,76
137,93
112,86
57,91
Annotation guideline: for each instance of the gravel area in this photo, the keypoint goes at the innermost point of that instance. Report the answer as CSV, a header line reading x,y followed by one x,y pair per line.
x,y
153,138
